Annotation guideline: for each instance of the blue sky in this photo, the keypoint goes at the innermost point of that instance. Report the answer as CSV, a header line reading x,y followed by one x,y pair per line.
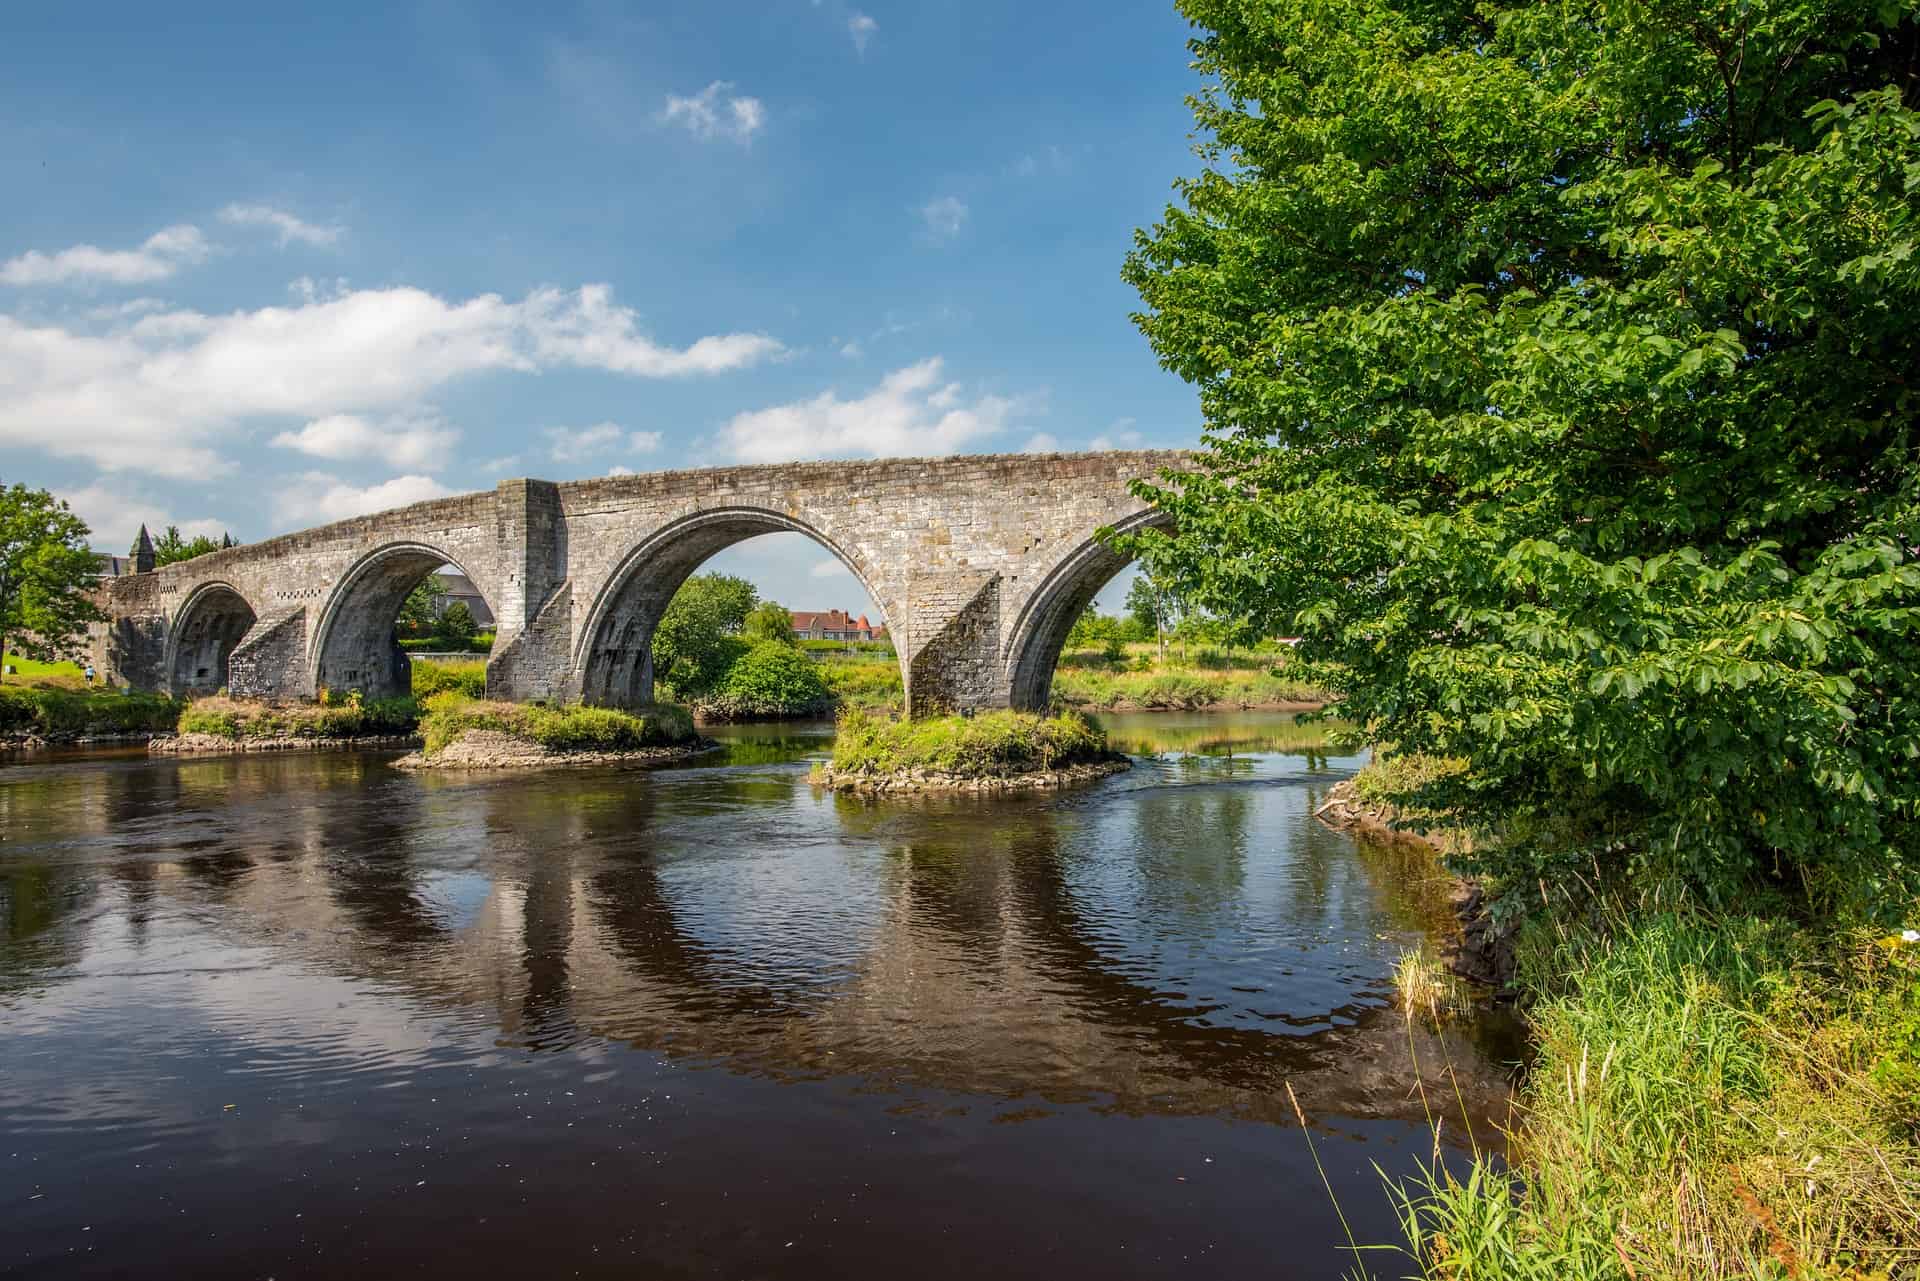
x,y
262,269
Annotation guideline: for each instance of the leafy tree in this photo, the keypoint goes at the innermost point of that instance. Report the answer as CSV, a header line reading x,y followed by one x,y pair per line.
x,y
46,572
171,547
455,625
1154,606
769,621
420,612
698,636
1559,371
774,679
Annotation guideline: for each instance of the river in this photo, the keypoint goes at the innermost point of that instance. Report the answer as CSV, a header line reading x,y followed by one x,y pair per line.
x,y
308,1016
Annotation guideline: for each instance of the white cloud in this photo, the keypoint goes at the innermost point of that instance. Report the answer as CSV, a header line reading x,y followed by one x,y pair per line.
x,y
861,28
644,442
399,442
910,412
707,117
571,444
158,394
316,497
852,349
1121,435
620,469
827,568
115,518
944,216
159,256
1041,442
287,226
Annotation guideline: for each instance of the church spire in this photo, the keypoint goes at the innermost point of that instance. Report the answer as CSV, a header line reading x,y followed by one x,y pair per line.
x,y
143,553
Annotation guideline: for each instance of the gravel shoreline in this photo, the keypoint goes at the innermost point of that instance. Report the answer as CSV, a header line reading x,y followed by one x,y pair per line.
x,y
920,780
490,749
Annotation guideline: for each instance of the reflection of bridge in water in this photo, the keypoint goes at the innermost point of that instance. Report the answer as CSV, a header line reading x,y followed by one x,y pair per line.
x,y
976,955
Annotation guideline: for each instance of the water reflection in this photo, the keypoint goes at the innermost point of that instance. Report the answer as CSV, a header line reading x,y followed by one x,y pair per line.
x,y
1178,942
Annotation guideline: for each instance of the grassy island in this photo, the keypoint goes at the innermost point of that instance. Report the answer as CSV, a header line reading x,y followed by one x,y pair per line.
x,y
994,749
459,729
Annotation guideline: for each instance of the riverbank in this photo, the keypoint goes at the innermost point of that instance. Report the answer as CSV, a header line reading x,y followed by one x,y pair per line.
x,y
1716,1093
44,714
493,750
991,752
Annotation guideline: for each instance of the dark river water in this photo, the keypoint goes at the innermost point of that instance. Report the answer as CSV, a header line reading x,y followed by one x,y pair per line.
x,y
309,1016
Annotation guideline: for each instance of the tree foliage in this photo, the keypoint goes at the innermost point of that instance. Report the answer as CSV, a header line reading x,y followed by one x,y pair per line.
x,y
770,621
698,636
46,571
171,546
421,610
455,624
1558,364
774,679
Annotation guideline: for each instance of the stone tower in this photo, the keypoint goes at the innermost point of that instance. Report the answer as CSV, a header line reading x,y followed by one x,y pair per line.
x,y
143,553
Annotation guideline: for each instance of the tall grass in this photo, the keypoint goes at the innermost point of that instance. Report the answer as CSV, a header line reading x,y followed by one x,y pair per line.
x,y
990,745
430,678
351,718
48,709
451,714
1713,1098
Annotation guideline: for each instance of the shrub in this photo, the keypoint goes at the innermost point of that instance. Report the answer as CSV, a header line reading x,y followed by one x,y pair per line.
x,y
866,686
340,717
992,744
771,679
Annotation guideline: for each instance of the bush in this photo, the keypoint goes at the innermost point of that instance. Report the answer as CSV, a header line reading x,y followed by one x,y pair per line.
x,y
770,622
771,679
992,744
450,714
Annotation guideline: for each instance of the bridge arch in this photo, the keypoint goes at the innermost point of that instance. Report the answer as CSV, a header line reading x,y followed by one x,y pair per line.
x,y
1040,630
353,644
206,628
614,654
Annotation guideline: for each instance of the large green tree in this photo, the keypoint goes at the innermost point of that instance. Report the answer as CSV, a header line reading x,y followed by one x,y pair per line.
x,y
698,637
1559,369
172,546
46,571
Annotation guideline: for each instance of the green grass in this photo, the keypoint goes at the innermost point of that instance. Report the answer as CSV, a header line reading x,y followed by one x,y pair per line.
x,y
598,729
1714,1097
47,710
990,745
866,686
32,671
430,678
243,719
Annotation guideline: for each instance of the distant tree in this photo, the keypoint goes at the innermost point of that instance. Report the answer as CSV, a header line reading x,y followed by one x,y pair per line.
x,y
171,547
46,571
455,624
698,636
770,621
422,608
1154,607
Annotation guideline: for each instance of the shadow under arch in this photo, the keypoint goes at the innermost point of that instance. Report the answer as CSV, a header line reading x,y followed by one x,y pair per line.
x,y
615,652
354,645
1040,632
206,628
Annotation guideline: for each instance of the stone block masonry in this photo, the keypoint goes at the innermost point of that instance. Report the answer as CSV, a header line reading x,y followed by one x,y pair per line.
x,y
979,564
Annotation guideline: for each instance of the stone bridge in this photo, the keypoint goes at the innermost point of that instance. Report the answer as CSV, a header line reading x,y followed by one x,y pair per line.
x,y
979,564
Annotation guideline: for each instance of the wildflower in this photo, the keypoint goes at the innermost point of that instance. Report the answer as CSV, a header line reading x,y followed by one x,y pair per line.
x,y
1910,936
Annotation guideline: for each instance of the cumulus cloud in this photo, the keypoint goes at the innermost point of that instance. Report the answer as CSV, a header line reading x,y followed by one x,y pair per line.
x,y
1041,442
288,227
861,28
115,517
827,568
645,442
1120,435
399,442
911,412
158,257
714,113
944,216
620,469
314,498
571,444
160,392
